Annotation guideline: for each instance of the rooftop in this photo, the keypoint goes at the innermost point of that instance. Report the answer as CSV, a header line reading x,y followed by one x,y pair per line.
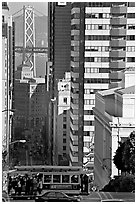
x,y
128,90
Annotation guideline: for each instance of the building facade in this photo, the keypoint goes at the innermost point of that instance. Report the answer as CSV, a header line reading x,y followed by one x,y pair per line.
x,y
114,121
63,120
59,47
105,33
30,117
8,62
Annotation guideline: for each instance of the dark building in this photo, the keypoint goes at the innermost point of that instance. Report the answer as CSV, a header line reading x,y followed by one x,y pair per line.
x,y
59,37
59,43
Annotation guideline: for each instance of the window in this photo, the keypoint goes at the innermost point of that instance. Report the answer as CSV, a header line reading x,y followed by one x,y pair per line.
x,y
131,15
3,19
65,178
97,37
64,140
47,178
130,48
56,179
100,15
89,101
65,100
64,133
131,27
130,37
64,119
64,111
130,59
100,27
64,126
88,112
74,179
131,4
88,123
64,147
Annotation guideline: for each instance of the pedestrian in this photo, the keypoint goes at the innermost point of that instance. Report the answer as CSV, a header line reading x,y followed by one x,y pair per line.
x,y
19,186
31,186
40,186
27,190
35,185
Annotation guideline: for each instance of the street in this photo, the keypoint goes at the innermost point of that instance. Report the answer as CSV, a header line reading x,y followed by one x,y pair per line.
x,y
98,196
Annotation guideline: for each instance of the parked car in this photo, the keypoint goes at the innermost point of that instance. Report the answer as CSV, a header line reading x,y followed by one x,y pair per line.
x,y
56,196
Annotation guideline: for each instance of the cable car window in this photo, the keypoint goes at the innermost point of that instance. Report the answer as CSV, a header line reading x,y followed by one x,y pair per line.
x,y
74,179
65,178
56,179
47,178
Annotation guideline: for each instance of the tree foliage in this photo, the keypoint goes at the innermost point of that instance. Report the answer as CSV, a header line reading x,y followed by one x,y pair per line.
x,y
121,184
124,158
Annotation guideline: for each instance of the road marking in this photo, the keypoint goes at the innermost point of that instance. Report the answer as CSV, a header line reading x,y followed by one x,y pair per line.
x,y
105,195
110,195
99,195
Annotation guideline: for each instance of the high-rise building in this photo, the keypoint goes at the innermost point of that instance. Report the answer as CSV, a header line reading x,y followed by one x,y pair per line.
x,y
102,45
59,44
30,116
63,120
7,73
59,35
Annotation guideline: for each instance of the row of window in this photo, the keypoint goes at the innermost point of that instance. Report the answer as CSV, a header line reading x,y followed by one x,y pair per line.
x,y
107,15
108,48
108,59
88,133
88,123
97,81
89,101
88,112
105,27
108,37
109,4
61,178
96,70
91,91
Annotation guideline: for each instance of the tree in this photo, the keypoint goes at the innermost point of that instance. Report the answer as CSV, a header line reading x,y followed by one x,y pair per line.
x,y
124,158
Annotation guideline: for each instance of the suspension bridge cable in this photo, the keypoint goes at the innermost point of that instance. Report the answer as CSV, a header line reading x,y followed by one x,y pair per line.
x,y
39,12
17,12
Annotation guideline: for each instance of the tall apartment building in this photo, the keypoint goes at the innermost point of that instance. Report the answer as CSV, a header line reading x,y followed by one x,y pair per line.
x,y
102,45
7,73
59,44
63,120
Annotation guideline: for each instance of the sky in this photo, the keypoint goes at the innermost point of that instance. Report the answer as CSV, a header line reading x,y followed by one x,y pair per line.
x,y
42,7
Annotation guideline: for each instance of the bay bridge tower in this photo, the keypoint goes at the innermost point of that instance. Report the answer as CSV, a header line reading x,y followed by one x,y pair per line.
x,y
29,38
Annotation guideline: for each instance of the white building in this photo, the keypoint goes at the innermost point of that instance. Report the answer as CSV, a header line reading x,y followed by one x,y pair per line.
x,y
102,45
63,119
114,121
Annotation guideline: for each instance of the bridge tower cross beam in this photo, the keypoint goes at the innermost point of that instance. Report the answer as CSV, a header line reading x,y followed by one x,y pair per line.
x,y
29,37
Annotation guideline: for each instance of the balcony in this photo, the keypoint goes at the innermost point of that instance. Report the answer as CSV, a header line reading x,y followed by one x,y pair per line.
x,y
117,53
118,21
119,32
116,75
119,9
117,64
117,43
